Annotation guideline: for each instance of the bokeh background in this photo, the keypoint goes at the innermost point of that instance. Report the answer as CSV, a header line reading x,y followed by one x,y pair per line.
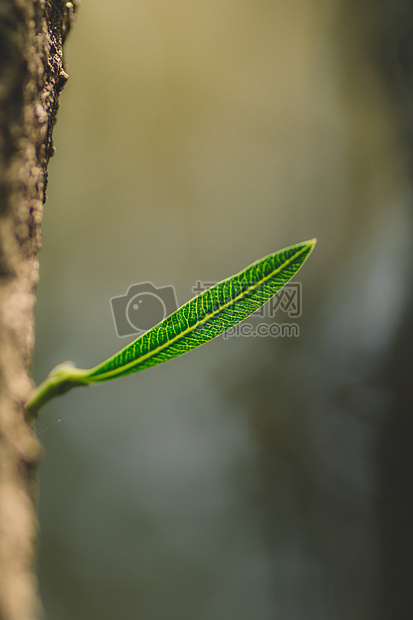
x,y
254,478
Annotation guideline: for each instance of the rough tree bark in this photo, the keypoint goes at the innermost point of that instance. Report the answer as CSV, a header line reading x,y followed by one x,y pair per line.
x,y
32,34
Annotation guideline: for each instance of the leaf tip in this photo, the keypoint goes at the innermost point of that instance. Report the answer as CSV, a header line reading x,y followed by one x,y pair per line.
x,y
310,244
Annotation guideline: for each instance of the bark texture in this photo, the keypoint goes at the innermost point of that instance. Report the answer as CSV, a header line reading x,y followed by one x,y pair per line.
x,y
32,33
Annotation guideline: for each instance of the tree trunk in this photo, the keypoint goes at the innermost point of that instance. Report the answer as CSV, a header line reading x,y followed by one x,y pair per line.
x,y
32,33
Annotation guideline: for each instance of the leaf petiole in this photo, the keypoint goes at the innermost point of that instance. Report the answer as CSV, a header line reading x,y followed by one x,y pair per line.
x,y
60,380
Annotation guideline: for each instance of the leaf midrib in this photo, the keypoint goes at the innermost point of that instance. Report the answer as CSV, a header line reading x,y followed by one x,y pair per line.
x,y
160,348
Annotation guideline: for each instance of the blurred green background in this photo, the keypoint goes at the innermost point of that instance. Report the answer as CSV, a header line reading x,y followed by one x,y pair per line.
x,y
254,478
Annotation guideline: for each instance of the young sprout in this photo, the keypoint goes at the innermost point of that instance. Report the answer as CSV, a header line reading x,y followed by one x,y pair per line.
x,y
203,318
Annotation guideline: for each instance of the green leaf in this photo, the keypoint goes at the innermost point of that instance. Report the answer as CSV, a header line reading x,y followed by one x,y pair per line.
x,y
203,318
